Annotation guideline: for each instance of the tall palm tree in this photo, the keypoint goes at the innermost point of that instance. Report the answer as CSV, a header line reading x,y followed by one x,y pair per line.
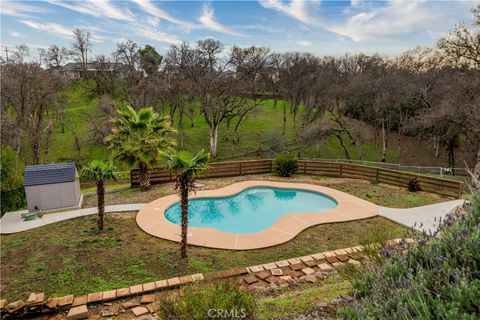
x,y
186,167
100,171
138,137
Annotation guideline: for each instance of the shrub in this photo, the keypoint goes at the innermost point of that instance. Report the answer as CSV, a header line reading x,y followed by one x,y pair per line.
x,y
436,278
11,184
285,165
210,300
413,185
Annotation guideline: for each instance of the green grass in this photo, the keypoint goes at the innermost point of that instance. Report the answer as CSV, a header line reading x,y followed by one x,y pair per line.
x,y
266,119
302,300
71,257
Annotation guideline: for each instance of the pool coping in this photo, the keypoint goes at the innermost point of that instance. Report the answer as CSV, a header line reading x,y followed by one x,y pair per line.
x,y
152,220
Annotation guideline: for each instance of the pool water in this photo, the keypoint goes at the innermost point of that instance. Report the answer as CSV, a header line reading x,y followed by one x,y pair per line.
x,y
252,210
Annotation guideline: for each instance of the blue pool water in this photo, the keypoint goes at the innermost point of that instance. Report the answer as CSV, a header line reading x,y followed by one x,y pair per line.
x,y
252,210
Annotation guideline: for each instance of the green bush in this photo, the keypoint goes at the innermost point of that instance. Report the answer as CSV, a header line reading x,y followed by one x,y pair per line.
x,y
210,300
285,165
12,193
436,278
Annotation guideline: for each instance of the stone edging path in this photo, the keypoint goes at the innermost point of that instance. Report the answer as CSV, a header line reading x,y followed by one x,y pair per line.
x,y
310,268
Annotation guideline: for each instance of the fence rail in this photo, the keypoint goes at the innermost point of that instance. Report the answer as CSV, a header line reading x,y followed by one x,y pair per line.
x,y
315,167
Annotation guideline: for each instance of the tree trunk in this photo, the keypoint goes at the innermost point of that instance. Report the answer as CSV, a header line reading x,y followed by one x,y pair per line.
x,y
476,170
101,204
184,205
384,142
144,177
284,116
213,141
451,156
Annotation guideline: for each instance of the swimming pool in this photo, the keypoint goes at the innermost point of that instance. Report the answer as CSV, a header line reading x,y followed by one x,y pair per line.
x,y
252,210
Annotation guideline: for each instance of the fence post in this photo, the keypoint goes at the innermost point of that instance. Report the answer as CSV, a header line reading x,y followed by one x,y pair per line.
x,y
240,167
377,175
305,166
341,169
271,165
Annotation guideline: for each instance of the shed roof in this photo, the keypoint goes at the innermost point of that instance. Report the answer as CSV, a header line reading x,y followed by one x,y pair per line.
x,y
49,173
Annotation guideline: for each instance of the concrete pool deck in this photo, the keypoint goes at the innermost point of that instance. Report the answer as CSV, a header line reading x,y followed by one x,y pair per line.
x,y
151,218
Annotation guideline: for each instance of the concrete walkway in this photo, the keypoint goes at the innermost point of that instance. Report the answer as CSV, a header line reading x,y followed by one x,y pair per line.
x,y
422,217
12,222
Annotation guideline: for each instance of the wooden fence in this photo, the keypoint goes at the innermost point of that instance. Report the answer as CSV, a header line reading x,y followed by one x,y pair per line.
x,y
331,169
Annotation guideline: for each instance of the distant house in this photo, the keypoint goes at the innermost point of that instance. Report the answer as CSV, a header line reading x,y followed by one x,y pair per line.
x,y
52,186
75,69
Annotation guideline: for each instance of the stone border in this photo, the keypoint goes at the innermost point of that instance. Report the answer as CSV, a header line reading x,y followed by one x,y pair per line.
x,y
258,276
151,218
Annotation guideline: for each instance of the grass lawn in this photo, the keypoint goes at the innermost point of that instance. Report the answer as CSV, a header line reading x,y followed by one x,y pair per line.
x,y
73,257
379,193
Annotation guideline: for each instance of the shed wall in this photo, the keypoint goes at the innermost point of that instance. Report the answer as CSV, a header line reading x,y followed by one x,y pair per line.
x,y
53,196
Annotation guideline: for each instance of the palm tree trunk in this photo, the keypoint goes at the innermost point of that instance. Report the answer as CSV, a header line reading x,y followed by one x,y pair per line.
x,y
184,204
101,204
144,177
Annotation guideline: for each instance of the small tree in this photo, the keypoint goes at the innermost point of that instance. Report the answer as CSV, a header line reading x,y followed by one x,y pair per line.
x,y
100,171
186,167
285,165
138,137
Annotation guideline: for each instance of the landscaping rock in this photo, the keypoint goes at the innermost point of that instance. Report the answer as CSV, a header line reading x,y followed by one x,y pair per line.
x,y
130,304
250,279
282,264
123,292
354,262
80,312
161,284
184,280
15,306
295,274
195,277
153,307
94,297
52,303
337,264
294,261
138,311
319,275
255,268
272,279
325,267
136,289
342,257
297,266
311,278
65,301
311,263
308,271
109,295
263,274
277,272
3,303
173,282
78,301
331,259
148,298
36,299
258,285
269,266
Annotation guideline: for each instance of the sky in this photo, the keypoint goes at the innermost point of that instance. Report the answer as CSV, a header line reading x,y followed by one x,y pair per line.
x,y
315,26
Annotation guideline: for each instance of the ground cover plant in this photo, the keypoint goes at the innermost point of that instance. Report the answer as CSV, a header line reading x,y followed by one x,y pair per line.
x,y
436,278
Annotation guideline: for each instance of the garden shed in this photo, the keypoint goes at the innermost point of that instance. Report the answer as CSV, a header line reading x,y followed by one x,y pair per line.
x,y
52,186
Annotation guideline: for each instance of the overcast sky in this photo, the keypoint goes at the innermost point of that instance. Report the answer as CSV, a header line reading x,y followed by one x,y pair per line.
x,y
319,27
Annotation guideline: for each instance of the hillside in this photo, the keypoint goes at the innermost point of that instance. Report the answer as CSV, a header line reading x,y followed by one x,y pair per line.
x,y
259,134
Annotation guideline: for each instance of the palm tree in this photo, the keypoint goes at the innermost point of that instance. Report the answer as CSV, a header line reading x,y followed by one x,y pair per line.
x,y
186,167
138,138
100,171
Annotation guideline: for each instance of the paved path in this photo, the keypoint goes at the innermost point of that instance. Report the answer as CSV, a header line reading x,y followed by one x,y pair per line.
x,y
12,222
424,216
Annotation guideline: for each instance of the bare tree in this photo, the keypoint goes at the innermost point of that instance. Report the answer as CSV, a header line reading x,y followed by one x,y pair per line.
x,y
55,56
81,47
